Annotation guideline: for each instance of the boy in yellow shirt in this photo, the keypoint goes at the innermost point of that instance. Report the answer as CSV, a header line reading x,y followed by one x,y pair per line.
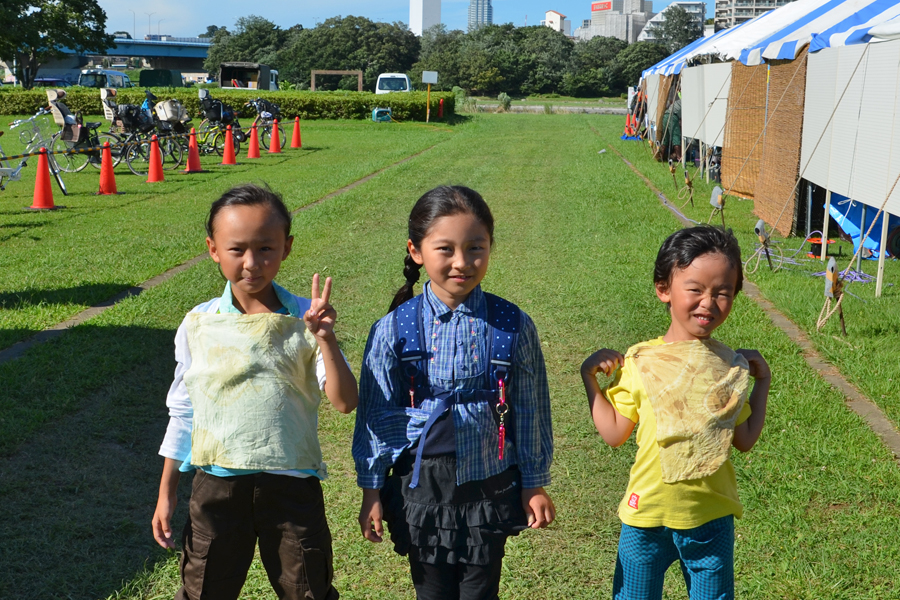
x,y
688,394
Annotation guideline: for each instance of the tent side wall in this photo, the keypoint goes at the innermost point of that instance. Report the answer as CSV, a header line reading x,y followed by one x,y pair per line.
x,y
717,85
741,154
693,103
860,86
652,87
776,191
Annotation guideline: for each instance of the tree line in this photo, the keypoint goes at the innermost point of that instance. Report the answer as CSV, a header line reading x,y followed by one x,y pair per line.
x,y
519,61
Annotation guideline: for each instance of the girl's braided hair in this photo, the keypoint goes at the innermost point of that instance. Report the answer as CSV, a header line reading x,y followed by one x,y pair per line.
x,y
443,201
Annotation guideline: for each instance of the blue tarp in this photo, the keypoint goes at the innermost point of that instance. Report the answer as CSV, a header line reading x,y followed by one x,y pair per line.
x,y
849,217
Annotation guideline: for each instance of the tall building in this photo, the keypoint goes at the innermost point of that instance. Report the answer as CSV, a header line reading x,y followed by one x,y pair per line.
x,y
734,12
423,14
480,13
622,19
696,10
558,22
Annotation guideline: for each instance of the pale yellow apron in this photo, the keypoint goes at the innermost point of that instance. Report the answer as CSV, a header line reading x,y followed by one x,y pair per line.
x,y
697,389
253,387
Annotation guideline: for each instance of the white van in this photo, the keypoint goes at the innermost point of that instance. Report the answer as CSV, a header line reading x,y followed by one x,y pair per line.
x,y
389,83
104,78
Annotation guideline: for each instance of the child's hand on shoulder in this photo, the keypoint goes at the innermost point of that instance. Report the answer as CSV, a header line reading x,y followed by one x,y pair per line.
x,y
603,360
321,315
759,368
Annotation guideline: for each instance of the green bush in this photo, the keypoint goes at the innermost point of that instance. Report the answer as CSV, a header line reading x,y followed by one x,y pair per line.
x,y
306,105
505,102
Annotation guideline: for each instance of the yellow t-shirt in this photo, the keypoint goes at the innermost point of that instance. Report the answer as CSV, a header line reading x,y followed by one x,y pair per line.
x,y
648,501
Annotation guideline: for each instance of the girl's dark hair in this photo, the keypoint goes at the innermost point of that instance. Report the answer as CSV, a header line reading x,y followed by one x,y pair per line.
x,y
443,201
249,194
683,247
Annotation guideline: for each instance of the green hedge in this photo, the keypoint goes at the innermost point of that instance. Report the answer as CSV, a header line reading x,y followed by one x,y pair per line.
x,y
306,105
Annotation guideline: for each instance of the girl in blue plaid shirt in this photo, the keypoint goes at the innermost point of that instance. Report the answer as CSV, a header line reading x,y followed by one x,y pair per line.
x,y
453,440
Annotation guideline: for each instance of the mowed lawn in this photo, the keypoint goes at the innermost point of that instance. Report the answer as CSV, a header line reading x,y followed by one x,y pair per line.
x,y
81,418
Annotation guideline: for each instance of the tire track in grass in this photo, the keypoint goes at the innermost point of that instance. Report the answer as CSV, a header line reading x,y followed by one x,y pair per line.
x,y
19,348
855,400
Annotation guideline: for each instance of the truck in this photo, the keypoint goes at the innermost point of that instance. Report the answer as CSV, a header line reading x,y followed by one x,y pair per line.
x,y
246,75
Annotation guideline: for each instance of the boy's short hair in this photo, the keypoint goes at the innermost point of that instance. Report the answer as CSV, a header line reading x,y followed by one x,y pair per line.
x,y
249,194
684,246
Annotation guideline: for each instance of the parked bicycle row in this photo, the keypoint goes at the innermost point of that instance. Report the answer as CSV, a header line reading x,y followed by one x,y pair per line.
x,y
74,144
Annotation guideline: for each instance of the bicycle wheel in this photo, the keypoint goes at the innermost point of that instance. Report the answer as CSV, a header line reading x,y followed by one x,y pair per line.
x,y
70,163
173,152
55,171
266,136
137,156
219,143
114,150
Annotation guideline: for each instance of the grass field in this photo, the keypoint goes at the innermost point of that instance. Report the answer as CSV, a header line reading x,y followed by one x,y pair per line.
x,y
81,418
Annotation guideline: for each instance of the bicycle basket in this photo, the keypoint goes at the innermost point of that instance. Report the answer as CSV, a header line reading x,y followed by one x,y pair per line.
x,y
171,111
264,106
212,109
135,119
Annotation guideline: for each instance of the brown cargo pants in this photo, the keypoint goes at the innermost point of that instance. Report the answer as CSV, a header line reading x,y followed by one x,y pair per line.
x,y
228,515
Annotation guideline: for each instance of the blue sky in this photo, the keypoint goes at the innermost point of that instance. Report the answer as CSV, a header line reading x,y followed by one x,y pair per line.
x,y
190,17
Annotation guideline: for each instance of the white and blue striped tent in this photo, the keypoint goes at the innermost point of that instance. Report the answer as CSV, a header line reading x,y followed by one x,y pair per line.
x,y
821,25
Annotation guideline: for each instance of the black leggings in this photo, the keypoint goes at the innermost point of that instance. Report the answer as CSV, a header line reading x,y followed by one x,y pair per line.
x,y
455,582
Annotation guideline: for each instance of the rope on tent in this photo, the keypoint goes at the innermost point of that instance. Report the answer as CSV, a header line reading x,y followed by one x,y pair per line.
x,y
729,110
822,135
765,126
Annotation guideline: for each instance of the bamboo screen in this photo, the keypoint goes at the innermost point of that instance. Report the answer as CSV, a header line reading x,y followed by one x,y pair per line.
x,y
741,153
665,84
775,199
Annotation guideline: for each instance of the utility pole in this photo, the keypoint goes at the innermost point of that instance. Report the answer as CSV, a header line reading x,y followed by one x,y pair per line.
x,y
149,30
133,23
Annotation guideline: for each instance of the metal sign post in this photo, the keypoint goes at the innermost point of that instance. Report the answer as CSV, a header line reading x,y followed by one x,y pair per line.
x,y
429,77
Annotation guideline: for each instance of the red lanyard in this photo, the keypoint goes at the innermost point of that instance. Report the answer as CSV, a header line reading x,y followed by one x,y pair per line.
x,y
502,409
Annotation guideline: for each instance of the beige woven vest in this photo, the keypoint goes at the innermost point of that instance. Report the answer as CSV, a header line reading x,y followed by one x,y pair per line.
x,y
697,390
252,383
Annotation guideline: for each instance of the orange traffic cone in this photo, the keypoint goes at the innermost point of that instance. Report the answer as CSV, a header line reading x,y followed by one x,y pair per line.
x,y
275,140
107,176
228,153
253,147
296,142
193,162
156,170
43,195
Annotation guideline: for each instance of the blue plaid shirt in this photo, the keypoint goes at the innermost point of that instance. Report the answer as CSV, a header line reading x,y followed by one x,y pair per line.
x,y
386,424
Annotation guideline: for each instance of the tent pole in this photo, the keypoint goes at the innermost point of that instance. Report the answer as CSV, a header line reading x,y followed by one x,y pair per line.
x,y
862,228
809,197
879,282
825,225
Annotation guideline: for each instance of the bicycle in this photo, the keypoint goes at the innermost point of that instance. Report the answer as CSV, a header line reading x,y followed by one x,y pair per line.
x,y
266,114
38,136
8,173
77,143
212,130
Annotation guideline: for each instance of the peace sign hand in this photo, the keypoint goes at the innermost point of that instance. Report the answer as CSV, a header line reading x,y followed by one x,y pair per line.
x,y
321,315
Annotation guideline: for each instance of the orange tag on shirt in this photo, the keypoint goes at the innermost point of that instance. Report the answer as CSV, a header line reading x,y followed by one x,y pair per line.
x,y
633,501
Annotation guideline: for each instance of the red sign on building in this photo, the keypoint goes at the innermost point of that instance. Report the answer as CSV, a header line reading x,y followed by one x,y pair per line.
x,y
600,6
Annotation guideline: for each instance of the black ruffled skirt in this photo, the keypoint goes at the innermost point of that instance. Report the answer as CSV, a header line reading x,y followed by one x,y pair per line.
x,y
440,522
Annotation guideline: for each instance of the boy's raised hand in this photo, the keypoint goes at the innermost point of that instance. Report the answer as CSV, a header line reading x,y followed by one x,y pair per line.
x,y
603,360
759,368
321,315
